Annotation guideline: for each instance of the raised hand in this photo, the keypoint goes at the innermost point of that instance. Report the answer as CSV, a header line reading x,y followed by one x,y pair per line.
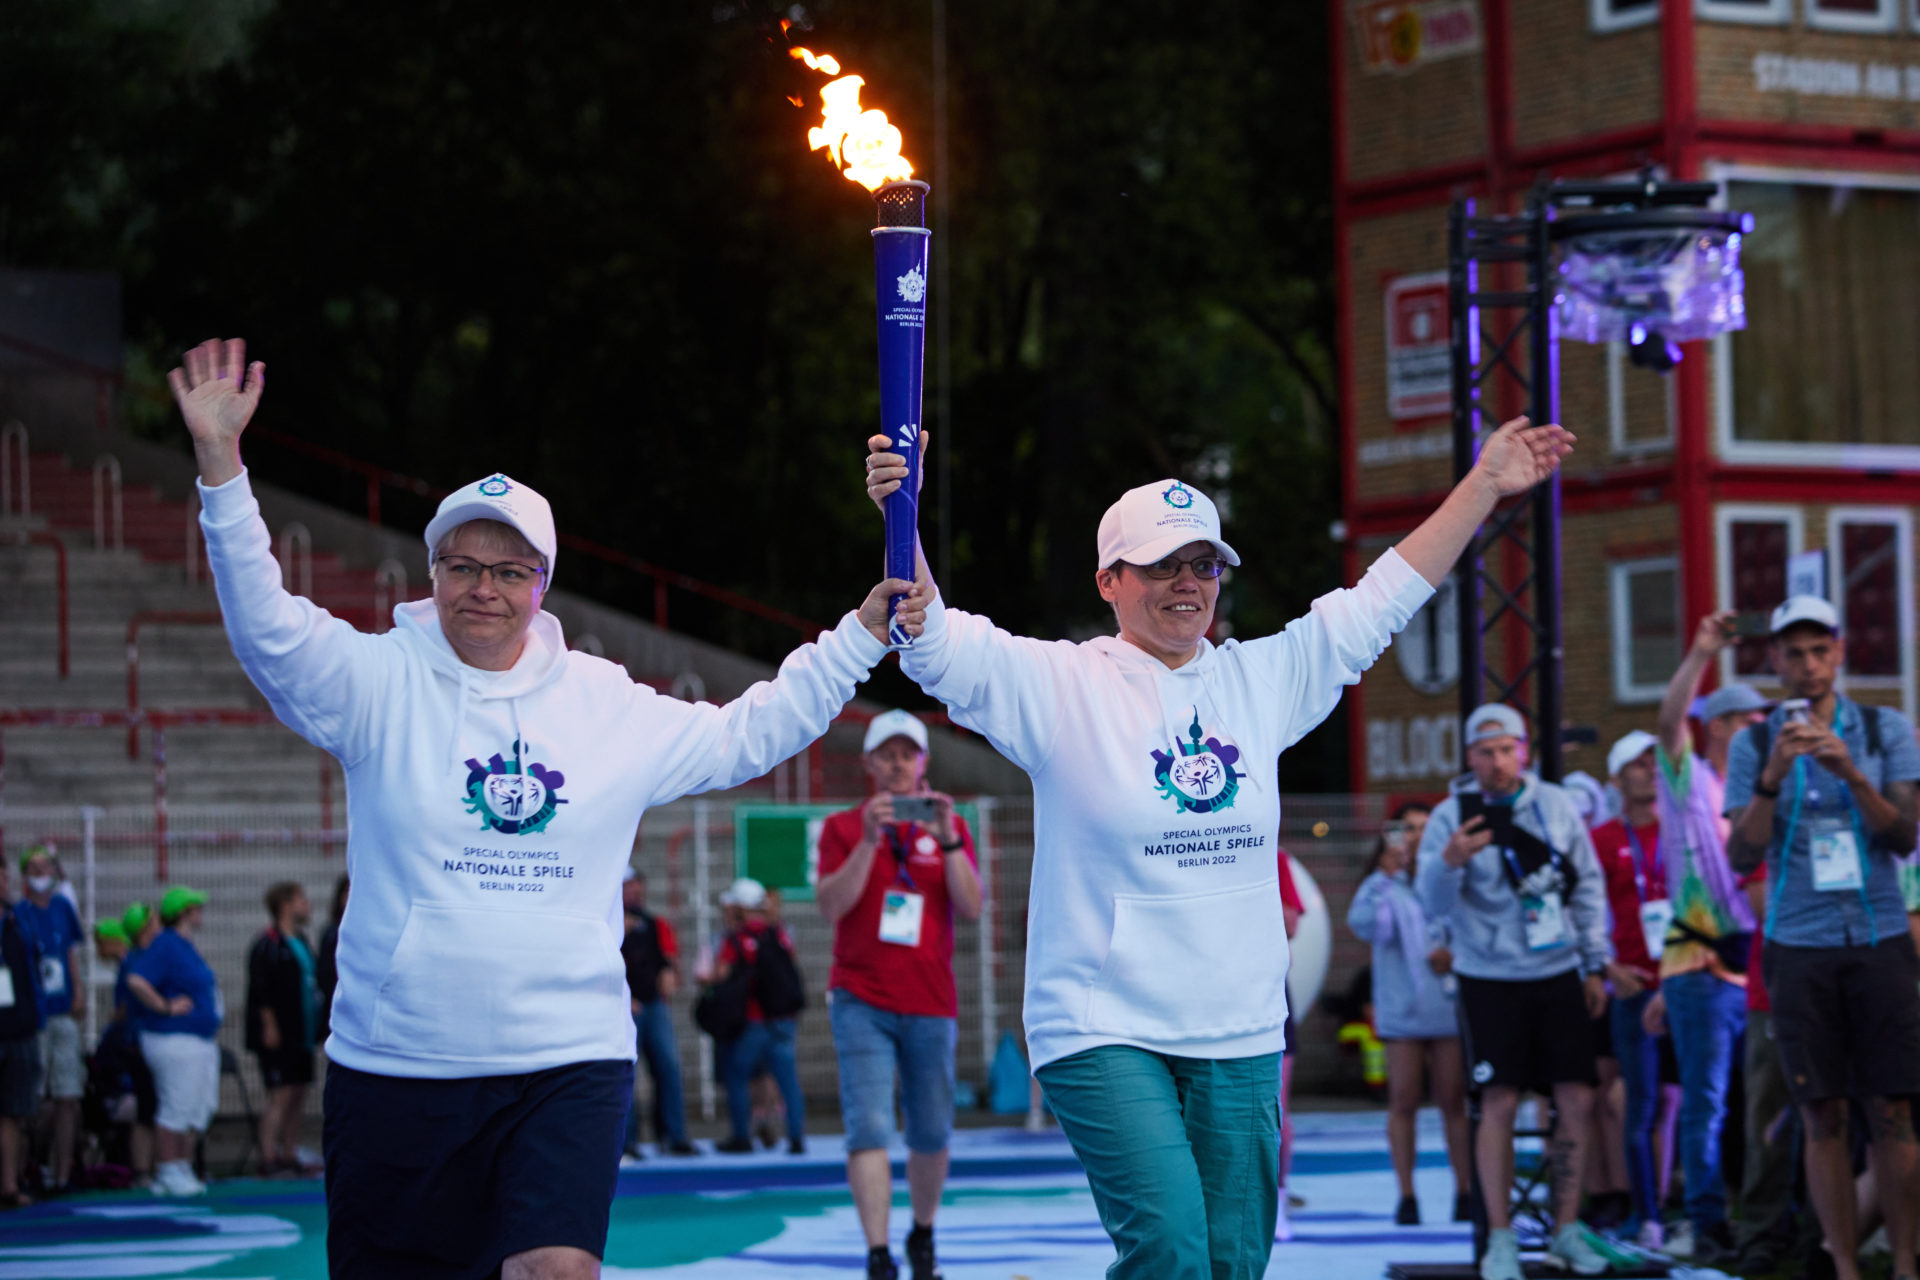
x,y
887,469
217,393
912,614
1520,455
1715,632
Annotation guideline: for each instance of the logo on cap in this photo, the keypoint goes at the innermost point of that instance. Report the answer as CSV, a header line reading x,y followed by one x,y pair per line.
x,y
913,285
512,801
1198,776
1179,497
495,486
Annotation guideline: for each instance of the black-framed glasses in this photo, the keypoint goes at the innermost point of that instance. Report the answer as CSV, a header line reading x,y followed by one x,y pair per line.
x,y
509,575
1169,567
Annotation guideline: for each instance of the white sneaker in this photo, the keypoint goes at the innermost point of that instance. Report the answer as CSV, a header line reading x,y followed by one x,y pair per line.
x,y
1572,1251
1282,1222
1036,1122
1502,1258
175,1178
1680,1240
1652,1235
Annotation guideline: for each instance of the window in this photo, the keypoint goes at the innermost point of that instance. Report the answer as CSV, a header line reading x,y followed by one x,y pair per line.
x,y
1640,404
1872,554
1646,627
1618,15
1824,371
1752,551
1769,11
1853,15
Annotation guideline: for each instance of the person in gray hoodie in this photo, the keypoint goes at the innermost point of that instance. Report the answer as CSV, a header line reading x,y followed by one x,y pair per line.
x,y
1521,892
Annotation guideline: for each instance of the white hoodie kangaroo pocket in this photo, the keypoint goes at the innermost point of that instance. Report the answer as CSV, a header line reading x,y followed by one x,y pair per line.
x,y
469,984
1195,967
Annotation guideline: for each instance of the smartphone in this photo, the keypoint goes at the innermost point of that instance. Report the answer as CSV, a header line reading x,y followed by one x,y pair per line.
x,y
921,809
1752,625
1499,816
1796,710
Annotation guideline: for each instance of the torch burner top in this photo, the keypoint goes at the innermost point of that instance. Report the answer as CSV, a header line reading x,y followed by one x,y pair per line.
x,y
902,203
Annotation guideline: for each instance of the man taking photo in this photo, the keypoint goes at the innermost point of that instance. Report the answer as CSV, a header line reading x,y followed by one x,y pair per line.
x,y
894,872
1823,791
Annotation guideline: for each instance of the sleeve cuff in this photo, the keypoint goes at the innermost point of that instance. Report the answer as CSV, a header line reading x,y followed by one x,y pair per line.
x,y
1400,579
227,503
860,642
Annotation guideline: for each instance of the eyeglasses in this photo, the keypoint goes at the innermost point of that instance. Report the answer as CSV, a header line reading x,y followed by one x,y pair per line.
x,y
1202,566
509,575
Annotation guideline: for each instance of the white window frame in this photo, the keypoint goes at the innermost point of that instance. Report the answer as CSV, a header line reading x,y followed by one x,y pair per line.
x,y
1605,19
1900,457
1901,518
1725,517
1774,13
1619,572
1888,19
1617,409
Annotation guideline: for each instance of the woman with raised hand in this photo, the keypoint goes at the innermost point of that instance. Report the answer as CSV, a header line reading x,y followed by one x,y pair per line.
x,y
481,1051
1156,961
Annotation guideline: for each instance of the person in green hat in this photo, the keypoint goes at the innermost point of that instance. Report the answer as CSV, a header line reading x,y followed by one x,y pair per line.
x,y
176,1000
110,946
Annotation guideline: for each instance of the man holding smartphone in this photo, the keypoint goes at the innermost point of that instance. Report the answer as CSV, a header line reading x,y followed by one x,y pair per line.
x,y
894,873
1824,792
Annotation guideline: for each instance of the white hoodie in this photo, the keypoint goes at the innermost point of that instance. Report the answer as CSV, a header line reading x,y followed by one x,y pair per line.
x,y
1154,916
490,815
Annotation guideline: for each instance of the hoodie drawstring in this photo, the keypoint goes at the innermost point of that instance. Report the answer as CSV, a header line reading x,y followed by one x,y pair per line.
x,y
459,718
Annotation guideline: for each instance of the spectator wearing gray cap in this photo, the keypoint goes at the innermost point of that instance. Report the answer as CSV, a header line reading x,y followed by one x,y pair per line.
x,y
1701,994
1824,793
1507,863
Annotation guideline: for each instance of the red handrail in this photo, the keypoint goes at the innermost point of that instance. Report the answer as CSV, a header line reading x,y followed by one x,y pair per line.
x,y
62,611
152,617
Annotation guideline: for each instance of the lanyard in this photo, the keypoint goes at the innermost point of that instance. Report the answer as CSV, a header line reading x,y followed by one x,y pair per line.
x,y
897,845
1799,784
1641,861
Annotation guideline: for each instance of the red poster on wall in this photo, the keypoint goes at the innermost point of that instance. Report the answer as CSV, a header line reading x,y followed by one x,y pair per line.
x,y
1419,347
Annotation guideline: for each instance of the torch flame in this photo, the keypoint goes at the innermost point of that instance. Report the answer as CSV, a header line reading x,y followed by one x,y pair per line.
x,y
826,62
859,141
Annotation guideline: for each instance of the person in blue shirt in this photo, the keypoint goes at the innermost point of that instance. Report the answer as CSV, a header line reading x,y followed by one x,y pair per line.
x,y
53,924
20,1022
181,1012
1824,792
141,926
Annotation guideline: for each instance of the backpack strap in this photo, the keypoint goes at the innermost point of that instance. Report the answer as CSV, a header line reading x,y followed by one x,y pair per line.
x,y
1872,717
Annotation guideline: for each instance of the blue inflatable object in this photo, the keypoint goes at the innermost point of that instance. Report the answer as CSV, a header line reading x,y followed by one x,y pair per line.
x,y
1007,1083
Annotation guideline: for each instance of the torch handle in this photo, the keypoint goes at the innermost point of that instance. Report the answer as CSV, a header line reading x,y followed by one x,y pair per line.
x,y
900,289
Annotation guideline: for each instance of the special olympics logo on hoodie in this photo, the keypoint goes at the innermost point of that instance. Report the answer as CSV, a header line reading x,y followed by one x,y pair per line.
x,y
1199,777
510,800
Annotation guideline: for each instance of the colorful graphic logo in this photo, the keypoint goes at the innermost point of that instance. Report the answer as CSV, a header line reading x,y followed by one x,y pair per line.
x,y
913,285
1198,776
495,486
512,800
1179,497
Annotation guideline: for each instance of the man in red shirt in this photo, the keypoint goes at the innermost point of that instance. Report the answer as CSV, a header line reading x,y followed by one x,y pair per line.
x,y
894,872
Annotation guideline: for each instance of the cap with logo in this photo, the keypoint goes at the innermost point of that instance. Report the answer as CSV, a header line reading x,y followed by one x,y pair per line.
x,y
894,724
179,900
135,918
1811,610
1494,720
1154,521
501,498
1632,745
746,893
1727,700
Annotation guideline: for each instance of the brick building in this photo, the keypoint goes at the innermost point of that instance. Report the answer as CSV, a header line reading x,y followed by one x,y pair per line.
x,y
1691,490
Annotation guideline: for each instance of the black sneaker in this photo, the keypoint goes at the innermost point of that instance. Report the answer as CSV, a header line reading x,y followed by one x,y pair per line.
x,y
880,1265
633,1152
796,1146
1408,1214
1463,1206
1819,1263
920,1253
682,1148
734,1146
1713,1246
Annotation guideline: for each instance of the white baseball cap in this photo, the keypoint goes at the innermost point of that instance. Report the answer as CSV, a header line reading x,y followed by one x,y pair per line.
x,y
501,498
1494,720
746,893
1798,609
1156,520
894,724
1631,746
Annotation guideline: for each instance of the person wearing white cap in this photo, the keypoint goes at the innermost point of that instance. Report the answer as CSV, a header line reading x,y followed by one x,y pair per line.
x,y
1507,863
1156,961
757,952
895,872
1629,851
1824,793
481,1045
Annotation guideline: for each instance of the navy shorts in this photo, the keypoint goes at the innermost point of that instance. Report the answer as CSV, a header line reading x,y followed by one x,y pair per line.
x,y
445,1179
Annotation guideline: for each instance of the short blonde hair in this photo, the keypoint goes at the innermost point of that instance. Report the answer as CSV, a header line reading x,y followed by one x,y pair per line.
x,y
494,536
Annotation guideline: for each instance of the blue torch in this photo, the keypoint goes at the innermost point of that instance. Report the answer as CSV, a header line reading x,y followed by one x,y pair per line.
x,y
900,244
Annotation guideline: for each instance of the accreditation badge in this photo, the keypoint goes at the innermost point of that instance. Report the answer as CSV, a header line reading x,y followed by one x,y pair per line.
x,y
1655,918
1546,918
53,975
6,987
901,914
1836,855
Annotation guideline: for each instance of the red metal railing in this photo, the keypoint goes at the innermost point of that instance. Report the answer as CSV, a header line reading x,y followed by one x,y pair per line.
x,y
61,604
153,618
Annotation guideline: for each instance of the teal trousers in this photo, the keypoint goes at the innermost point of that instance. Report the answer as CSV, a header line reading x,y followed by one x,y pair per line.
x,y
1182,1155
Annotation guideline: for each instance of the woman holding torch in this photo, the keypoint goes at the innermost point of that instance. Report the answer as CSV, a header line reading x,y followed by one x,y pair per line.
x,y
1156,965
482,1046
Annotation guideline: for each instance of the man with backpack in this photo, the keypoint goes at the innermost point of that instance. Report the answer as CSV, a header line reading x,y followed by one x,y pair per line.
x,y
895,872
754,971
1824,792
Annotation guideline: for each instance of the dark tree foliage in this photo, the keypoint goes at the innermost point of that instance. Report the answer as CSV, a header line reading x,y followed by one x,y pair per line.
x,y
586,244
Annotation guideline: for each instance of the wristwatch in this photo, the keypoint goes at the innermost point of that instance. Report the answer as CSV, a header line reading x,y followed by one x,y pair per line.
x,y
949,848
1762,789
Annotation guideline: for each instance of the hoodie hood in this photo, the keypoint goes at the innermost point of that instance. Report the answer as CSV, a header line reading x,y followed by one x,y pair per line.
x,y
541,663
1184,694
